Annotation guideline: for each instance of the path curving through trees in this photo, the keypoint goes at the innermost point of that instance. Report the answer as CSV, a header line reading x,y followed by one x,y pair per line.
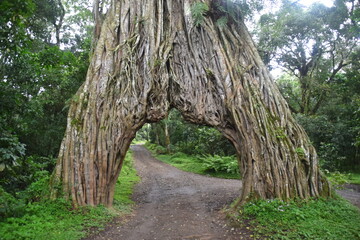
x,y
174,205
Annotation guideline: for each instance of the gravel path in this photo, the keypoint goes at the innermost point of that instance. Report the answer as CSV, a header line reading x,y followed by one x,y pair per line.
x,y
177,205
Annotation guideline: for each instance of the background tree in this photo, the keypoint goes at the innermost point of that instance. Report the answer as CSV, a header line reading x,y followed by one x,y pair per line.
x,y
190,138
313,45
37,80
318,48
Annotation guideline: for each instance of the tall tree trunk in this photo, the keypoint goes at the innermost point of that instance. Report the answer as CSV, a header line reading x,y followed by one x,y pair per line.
x,y
167,136
151,57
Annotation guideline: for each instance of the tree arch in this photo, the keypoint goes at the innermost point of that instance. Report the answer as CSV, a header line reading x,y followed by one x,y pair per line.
x,y
151,56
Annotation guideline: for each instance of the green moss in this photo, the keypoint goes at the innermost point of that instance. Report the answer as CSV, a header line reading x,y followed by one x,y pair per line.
x,y
209,73
157,63
77,123
300,152
280,133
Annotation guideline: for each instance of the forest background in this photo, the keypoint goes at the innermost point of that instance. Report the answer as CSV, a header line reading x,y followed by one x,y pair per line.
x,y
45,47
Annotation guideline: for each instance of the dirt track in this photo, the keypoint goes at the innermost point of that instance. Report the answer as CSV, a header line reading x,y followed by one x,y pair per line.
x,y
172,205
351,192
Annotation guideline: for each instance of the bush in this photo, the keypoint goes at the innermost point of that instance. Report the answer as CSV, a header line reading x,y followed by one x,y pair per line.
x,y
9,205
15,205
217,163
160,149
337,179
178,155
39,189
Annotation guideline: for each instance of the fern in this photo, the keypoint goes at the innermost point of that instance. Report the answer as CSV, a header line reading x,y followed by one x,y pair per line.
x,y
222,22
198,12
217,163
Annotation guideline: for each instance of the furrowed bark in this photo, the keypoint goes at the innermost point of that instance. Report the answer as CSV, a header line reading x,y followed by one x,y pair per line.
x,y
149,58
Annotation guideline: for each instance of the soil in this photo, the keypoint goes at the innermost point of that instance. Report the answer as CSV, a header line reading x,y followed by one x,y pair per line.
x,y
175,205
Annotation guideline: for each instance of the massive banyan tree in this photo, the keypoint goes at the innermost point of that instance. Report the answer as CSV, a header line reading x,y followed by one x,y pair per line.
x,y
154,55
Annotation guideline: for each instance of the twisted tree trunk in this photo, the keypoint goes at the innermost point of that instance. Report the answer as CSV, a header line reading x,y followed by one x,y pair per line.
x,y
151,57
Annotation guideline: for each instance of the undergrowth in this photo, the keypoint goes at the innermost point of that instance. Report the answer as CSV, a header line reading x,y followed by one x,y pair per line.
x,y
330,219
215,166
338,179
42,218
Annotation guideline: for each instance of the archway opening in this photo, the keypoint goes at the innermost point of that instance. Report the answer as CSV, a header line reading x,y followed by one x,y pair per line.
x,y
190,147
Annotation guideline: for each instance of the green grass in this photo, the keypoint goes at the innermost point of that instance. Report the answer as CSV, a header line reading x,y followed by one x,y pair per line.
x,y
125,184
57,220
188,163
315,219
354,178
138,142
337,178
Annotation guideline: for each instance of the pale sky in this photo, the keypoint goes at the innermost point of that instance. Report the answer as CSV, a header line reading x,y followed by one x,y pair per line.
x,y
327,3
276,72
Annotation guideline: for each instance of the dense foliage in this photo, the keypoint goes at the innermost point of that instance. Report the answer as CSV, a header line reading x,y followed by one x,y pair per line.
x,y
39,74
318,48
41,66
185,137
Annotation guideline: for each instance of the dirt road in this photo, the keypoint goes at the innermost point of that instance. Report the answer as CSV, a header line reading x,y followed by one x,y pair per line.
x,y
351,192
174,205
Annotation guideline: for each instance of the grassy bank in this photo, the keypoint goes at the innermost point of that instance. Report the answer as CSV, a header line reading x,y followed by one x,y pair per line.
x,y
214,166
57,219
315,219
354,178
338,179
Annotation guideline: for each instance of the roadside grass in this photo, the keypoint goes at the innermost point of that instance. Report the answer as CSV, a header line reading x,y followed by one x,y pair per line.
x,y
338,179
58,220
138,142
354,178
194,164
330,219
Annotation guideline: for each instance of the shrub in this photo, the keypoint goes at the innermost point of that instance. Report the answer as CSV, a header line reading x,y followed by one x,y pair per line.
x,y
39,189
217,163
178,155
160,150
337,179
9,205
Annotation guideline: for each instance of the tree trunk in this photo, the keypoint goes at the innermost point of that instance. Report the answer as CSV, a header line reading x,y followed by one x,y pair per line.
x,y
150,57
167,137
